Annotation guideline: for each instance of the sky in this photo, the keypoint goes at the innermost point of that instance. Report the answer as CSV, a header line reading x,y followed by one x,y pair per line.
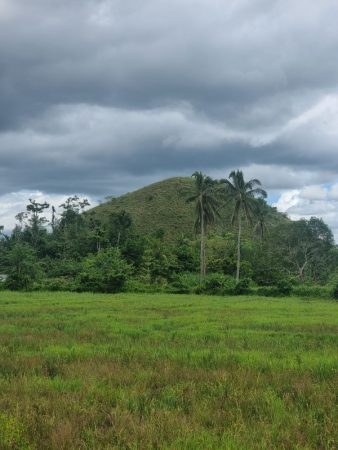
x,y
100,97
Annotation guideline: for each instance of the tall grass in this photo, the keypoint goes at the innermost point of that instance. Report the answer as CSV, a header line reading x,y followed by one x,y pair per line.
x,y
132,371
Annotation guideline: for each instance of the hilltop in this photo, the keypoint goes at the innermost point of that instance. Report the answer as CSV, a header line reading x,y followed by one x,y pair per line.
x,y
160,205
163,205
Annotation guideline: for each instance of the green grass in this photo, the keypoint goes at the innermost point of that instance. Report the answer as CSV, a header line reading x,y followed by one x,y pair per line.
x,y
85,371
160,205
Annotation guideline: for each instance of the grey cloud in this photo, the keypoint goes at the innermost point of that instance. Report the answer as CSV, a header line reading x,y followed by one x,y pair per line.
x,y
94,93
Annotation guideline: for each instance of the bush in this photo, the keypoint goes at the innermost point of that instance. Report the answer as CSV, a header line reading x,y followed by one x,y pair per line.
x,y
242,287
58,284
314,291
63,268
106,271
284,287
268,291
185,283
217,284
213,284
333,286
140,286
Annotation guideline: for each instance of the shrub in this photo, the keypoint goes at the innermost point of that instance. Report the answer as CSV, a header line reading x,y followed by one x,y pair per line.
x,y
284,287
140,286
106,271
63,268
305,290
268,291
58,284
185,283
242,287
217,284
333,286
213,284
334,292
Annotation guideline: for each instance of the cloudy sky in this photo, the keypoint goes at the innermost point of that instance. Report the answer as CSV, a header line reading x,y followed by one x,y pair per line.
x,y
99,97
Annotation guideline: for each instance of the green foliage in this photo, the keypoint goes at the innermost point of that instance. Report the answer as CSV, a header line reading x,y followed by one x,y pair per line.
x,y
150,228
158,262
284,287
217,284
268,291
57,268
61,283
243,196
185,283
23,269
335,292
141,286
106,271
186,256
333,285
242,286
312,291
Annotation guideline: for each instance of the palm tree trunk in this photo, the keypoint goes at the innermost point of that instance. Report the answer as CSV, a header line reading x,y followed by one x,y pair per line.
x,y
202,243
239,247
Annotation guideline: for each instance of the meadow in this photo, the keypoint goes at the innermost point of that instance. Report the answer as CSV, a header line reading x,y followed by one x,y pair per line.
x,y
141,371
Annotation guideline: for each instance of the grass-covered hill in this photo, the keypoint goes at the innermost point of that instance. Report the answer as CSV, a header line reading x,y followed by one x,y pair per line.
x,y
163,205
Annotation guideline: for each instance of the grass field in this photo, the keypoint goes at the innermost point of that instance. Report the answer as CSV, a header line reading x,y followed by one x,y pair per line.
x,y
82,371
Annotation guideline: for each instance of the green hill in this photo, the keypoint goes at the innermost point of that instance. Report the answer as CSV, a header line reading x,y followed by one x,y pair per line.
x,y
160,205
163,205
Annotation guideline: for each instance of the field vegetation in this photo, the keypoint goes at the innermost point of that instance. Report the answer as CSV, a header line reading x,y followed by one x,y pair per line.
x,y
147,371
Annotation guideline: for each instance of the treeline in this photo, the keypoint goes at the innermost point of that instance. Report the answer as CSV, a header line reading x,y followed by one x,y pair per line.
x,y
78,250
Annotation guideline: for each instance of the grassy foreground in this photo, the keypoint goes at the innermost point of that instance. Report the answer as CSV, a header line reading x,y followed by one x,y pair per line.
x,y
85,371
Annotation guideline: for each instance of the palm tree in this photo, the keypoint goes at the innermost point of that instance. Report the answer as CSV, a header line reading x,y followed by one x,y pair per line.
x,y
207,203
243,195
261,218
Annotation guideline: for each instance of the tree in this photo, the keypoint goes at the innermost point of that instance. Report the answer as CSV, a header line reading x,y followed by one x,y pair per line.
x,y
32,224
243,195
106,271
261,218
71,229
23,268
306,248
207,203
120,224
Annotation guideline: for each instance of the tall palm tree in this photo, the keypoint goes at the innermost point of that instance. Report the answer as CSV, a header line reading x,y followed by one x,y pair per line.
x,y
243,194
261,218
206,201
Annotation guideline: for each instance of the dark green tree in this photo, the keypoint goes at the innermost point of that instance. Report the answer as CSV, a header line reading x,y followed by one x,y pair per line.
x,y
261,218
120,224
23,268
106,271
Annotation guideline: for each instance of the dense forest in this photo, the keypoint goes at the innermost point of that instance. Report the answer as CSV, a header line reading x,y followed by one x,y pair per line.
x,y
181,235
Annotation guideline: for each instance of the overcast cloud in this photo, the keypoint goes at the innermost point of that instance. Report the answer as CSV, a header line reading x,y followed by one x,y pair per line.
x,y
101,97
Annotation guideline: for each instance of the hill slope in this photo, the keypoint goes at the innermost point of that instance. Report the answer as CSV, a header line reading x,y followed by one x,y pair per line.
x,y
160,205
163,205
